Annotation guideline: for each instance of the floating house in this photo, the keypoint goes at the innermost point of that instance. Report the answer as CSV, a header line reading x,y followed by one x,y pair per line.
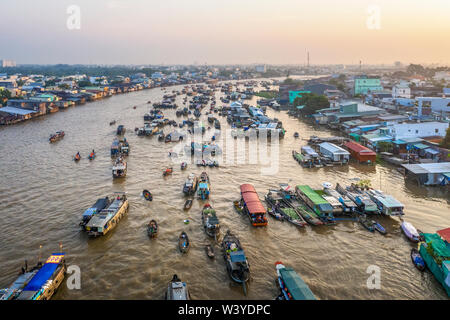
x,y
429,173
314,200
334,152
360,152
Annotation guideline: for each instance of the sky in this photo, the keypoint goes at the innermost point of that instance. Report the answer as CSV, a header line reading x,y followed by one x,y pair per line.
x,y
225,32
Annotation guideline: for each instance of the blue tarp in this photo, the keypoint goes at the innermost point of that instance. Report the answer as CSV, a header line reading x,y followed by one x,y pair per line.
x,y
203,185
44,274
238,256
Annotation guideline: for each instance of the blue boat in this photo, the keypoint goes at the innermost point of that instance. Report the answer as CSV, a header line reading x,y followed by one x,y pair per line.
x,y
292,285
39,283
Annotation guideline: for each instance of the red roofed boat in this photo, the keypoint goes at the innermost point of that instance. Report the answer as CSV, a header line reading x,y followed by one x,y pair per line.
x,y
251,205
360,152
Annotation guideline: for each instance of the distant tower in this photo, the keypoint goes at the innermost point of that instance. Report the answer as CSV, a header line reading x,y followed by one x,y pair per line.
x,y
360,66
307,59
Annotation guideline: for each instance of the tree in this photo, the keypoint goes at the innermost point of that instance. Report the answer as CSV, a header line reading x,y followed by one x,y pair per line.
x,y
84,83
311,102
446,142
385,146
64,86
4,96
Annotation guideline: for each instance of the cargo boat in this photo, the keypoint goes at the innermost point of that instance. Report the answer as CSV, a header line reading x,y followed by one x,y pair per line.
x,y
251,205
98,206
318,204
107,219
39,283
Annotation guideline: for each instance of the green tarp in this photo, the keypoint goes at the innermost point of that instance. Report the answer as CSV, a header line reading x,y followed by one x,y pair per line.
x,y
296,286
439,246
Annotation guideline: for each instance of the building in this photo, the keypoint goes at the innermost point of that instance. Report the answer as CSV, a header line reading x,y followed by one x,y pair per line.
x,y
360,152
7,63
399,131
442,75
429,173
318,88
436,104
347,111
401,90
364,85
334,152
296,94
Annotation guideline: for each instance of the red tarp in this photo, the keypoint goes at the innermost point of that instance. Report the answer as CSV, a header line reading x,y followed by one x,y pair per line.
x,y
445,234
251,199
356,147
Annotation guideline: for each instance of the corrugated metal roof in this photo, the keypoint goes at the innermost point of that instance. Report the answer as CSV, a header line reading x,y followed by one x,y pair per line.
x,y
440,167
13,110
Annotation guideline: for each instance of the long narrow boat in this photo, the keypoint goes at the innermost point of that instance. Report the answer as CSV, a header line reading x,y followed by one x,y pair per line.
x,y
275,200
291,285
119,169
190,185
251,205
362,200
348,205
387,204
204,186
107,219
302,209
237,264
56,136
39,283
177,290
210,221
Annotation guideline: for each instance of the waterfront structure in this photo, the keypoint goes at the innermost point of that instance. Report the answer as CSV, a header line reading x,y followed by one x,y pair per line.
x,y
429,173
346,111
360,152
334,152
364,85
400,131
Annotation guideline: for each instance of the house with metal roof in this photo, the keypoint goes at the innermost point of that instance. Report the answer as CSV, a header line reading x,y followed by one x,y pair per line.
x,y
334,152
429,173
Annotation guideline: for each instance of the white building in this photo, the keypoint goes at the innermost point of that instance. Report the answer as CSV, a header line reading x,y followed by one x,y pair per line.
x,y
442,75
417,130
401,90
7,63
437,104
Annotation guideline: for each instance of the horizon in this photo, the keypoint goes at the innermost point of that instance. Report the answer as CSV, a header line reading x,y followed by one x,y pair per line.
x,y
174,32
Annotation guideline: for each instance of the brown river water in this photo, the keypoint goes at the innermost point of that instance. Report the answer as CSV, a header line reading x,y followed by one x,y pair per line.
x,y
43,194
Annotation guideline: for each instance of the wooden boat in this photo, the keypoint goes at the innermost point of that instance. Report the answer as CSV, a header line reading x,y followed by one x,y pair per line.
x,y
147,195
152,229
119,169
291,285
378,227
252,206
167,171
107,219
77,157
187,204
38,283
275,214
417,259
238,207
295,202
366,223
183,242
203,186
236,262
210,221
296,135
120,130
112,122
209,251
183,165
56,136
177,290
410,231
190,185
275,201
92,156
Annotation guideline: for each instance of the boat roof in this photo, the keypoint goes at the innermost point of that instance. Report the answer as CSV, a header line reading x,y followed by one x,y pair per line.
x,y
203,185
296,286
332,200
445,234
45,273
312,195
252,201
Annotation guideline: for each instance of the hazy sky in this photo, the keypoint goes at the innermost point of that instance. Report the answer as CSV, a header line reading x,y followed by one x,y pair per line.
x,y
226,31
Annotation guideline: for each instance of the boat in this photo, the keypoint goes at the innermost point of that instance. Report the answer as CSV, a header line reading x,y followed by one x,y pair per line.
x,y
348,206
236,262
112,122
296,135
435,251
115,148
275,214
120,130
183,165
38,283
361,199
108,218
251,205
119,169
56,136
152,229
387,204
209,251
410,231
210,221
92,155
204,186
378,227
177,290
167,171
318,204
190,185
147,195
187,204
366,223
77,157
417,259
275,200
124,147
98,206
291,285
183,242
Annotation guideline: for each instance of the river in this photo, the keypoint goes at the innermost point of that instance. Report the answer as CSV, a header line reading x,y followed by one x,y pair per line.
x,y
43,194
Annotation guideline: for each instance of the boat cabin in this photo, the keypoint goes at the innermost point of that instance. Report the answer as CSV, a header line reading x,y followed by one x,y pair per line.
x,y
252,206
314,200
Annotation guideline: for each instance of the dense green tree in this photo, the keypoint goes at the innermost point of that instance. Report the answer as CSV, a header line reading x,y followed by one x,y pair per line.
x,y
312,103
446,142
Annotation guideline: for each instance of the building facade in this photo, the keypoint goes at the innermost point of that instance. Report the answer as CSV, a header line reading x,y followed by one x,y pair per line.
x,y
364,85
